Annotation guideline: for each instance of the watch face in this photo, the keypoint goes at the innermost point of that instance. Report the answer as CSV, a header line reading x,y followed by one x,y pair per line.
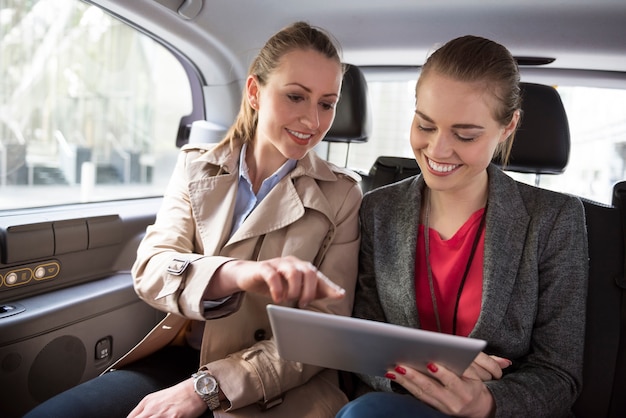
x,y
206,384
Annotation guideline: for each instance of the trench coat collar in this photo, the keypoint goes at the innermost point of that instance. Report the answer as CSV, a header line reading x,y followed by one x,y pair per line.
x,y
227,157
285,204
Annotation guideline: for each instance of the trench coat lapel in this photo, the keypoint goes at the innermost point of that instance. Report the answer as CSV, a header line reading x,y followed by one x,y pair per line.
x,y
282,206
213,179
204,195
213,183
287,201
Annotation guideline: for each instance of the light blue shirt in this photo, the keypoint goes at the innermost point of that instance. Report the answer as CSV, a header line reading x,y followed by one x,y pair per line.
x,y
246,200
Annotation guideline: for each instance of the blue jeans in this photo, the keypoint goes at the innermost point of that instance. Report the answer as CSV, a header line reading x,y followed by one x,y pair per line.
x,y
387,404
116,393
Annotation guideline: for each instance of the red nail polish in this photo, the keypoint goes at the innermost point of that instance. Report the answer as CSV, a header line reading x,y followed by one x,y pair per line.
x,y
401,370
390,376
432,367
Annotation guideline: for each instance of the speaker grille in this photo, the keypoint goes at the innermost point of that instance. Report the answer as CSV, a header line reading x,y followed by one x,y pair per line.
x,y
58,366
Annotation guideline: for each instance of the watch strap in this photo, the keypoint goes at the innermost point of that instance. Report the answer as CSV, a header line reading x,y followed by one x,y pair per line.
x,y
212,400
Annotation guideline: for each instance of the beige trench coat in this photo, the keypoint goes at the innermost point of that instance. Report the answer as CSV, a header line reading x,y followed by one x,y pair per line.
x,y
312,213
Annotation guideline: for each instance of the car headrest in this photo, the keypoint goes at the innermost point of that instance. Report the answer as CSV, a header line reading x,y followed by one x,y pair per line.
x,y
542,141
352,119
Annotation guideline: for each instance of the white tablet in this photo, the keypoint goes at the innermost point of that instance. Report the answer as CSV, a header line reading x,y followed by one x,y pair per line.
x,y
363,346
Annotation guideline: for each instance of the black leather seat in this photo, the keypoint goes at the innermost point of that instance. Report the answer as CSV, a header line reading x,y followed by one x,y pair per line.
x,y
387,170
352,115
610,301
604,388
542,141
352,122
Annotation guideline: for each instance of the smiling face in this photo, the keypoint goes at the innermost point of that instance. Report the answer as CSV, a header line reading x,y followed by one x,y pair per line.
x,y
296,106
454,133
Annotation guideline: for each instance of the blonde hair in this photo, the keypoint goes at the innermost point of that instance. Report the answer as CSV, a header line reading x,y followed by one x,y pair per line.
x,y
299,35
475,59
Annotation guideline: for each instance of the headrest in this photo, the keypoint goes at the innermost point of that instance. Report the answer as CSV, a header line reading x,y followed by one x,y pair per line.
x,y
204,131
352,118
542,141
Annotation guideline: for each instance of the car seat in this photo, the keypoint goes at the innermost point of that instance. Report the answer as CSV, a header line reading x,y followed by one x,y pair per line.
x,y
352,122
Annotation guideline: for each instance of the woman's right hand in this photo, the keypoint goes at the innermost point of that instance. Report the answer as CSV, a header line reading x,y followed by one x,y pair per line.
x,y
283,279
485,367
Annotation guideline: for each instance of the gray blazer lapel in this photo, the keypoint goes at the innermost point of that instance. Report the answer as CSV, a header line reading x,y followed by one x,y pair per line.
x,y
398,230
506,229
396,223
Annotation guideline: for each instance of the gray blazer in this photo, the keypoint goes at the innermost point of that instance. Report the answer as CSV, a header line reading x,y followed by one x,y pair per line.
x,y
534,286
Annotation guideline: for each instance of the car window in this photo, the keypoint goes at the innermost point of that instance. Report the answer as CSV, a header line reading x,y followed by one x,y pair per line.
x,y
597,119
90,107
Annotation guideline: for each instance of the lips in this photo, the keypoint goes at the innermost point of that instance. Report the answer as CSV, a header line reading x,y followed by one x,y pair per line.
x,y
299,137
441,168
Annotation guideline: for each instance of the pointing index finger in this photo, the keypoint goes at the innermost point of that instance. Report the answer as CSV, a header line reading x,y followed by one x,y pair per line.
x,y
328,288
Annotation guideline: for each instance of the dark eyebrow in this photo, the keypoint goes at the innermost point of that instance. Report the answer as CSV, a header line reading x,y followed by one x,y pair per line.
x,y
457,126
308,90
423,116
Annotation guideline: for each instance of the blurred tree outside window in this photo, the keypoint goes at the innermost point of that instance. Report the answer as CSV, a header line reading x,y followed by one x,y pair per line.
x,y
89,107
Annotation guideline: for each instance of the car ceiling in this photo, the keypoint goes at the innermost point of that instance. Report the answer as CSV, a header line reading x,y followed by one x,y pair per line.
x,y
224,35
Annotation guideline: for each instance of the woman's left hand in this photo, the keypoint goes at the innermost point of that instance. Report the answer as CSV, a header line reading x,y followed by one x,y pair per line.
x,y
445,391
486,367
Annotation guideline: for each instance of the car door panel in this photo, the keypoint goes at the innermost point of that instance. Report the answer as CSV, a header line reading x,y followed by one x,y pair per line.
x,y
70,324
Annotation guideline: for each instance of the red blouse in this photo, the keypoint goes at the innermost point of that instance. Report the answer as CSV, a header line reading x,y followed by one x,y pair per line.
x,y
448,259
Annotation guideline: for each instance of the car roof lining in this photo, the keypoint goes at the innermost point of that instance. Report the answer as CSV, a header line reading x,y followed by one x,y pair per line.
x,y
582,35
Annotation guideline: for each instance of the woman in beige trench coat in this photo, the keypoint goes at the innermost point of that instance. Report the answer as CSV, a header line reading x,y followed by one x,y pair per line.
x,y
257,219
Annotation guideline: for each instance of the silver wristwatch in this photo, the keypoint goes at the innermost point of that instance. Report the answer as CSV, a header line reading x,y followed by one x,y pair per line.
x,y
207,388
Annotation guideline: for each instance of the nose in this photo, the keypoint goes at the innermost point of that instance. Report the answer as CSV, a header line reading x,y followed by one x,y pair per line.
x,y
439,145
311,118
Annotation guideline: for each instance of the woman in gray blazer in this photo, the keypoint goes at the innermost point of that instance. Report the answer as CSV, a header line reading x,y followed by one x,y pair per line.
x,y
464,249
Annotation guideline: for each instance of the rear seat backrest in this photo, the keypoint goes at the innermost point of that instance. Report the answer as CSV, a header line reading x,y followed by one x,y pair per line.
x,y
618,404
602,393
352,115
542,141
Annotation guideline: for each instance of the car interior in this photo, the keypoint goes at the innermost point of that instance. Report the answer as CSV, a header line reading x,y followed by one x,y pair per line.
x,y
68,308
